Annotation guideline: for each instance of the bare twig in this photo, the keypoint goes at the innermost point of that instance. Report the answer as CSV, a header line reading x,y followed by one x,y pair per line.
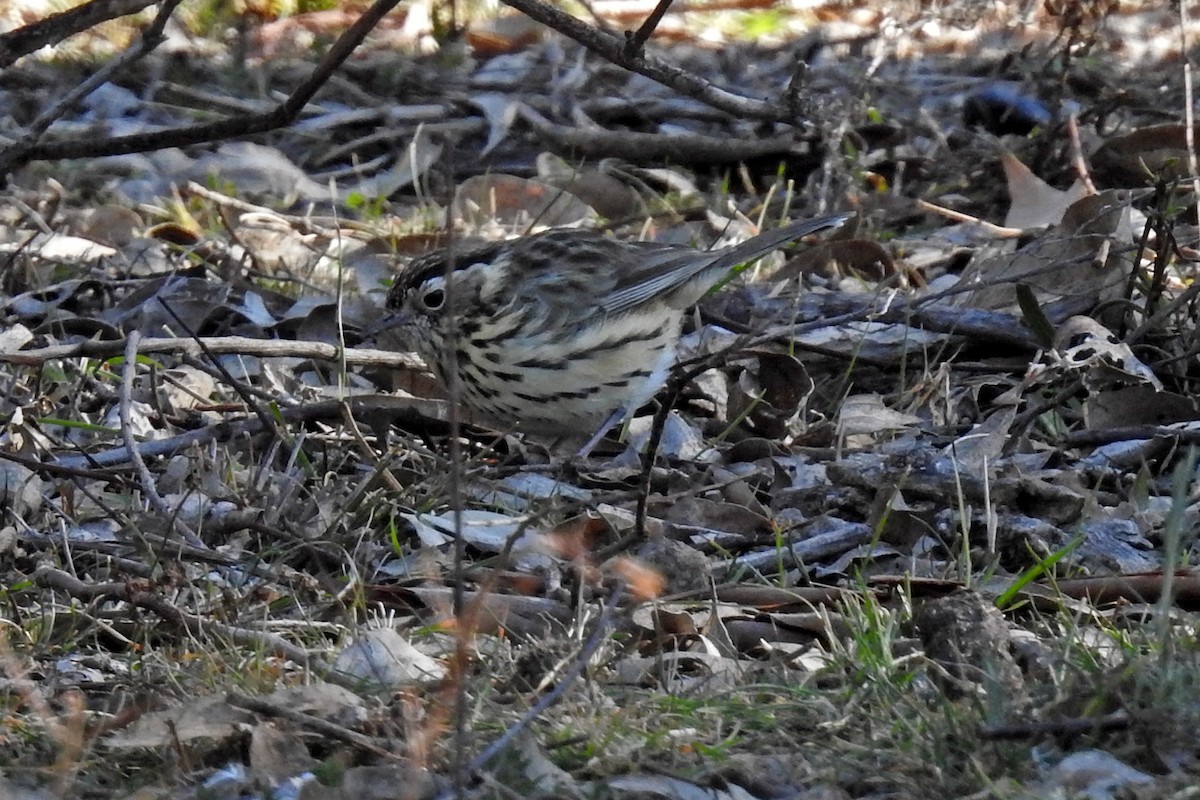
x,y
329,730
115,554
1078,160
194,624
145,479
252,426
57,27
267,420
220,345
636,42
227,128
958,216
15,154
1189,114
612,48
599,633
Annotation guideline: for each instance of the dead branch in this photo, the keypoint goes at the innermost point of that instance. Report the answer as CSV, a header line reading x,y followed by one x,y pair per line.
x,y
228,128
613,48
57,27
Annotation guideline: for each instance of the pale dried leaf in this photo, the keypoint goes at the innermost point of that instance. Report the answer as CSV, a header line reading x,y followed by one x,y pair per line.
x,y
868,414
382,657
1035,203
516,204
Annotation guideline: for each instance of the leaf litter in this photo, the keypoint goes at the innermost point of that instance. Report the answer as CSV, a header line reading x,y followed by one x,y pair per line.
x,y
923,522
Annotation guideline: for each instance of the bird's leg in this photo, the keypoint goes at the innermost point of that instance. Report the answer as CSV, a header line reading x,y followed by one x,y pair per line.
x,y
612,420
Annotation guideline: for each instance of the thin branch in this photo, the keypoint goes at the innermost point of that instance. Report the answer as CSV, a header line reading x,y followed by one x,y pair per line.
x,y
145,479
55,28
326,728
416,409
193,624
598,636
228,128
220,345
635,43
612,48
16,154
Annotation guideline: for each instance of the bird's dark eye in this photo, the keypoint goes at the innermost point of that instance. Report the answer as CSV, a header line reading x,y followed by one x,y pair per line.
x,y
433,299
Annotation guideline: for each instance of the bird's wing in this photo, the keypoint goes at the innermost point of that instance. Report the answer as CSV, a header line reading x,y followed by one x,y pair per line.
x,y
662,269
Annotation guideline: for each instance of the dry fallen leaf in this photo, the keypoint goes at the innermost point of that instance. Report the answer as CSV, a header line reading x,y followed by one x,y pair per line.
x,y
1084,259
1033,202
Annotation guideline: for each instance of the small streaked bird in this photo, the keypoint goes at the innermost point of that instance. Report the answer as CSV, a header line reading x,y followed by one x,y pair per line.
x,y
564,332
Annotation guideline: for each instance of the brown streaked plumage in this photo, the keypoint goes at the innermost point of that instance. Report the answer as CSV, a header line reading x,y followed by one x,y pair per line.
x,y
569,330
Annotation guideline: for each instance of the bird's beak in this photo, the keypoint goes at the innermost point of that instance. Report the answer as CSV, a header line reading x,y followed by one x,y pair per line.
x,y
390,320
